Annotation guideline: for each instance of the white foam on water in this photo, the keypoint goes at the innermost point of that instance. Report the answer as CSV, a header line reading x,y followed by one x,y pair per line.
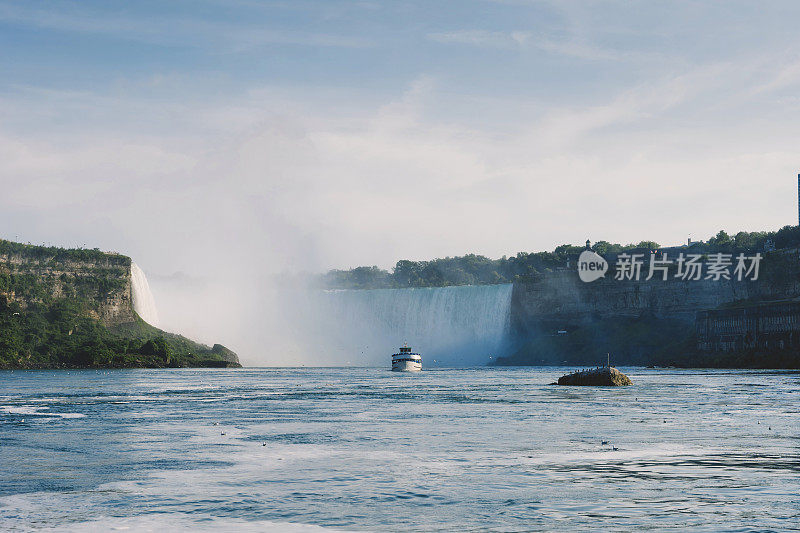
x,y
68,415
160,522
37,504
33,410
143,302
21,409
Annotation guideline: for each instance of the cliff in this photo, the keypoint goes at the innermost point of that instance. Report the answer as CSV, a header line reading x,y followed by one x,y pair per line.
x,y
558,319
38,275
74,308
561,296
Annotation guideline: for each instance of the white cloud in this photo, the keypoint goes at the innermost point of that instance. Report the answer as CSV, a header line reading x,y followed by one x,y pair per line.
x,y
522,40
496,39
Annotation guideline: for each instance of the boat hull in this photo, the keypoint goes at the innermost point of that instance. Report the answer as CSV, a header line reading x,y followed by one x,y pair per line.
x,y
406,366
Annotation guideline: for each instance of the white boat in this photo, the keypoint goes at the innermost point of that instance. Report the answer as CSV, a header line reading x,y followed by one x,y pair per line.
x,y
406,360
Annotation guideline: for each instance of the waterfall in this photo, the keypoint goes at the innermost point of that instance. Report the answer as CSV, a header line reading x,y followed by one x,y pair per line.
x,y
456,326
143,302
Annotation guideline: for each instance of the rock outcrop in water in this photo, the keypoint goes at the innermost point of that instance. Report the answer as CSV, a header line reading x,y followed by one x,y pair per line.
x,y
607,376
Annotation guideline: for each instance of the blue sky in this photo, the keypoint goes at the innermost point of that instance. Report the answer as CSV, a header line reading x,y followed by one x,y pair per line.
x,y
536,49
218,140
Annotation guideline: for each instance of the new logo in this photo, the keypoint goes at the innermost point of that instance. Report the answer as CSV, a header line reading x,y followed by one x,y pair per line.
x,y
591,266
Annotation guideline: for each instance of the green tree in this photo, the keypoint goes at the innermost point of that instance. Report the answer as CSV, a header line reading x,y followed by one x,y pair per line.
x,y
650,245
787,237
721,241
158,346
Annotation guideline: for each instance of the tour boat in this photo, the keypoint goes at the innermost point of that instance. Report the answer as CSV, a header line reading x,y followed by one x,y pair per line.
x,y
406,360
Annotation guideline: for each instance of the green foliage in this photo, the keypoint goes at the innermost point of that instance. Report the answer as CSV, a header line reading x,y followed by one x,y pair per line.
x,y
43,273
749,241
54,254
648,245
470,269
605,247
568,249
787,237
63,335
54,335
359,278
49,298
721,241
474,269
157,346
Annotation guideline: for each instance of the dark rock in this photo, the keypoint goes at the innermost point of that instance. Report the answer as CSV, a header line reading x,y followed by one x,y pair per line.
x,y
606,376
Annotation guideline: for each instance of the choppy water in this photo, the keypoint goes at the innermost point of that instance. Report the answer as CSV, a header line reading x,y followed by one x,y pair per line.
x,y
366,449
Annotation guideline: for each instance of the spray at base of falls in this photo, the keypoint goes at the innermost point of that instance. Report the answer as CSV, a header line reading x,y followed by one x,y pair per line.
x,y
455,326
143,302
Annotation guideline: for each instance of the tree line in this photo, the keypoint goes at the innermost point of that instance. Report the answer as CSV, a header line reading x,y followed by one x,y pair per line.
x,y
472,269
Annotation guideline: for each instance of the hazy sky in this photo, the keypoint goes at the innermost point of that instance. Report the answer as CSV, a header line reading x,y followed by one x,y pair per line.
x,y
224,140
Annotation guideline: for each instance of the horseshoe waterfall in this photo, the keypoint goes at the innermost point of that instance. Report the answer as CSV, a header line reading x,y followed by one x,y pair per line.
x,y
450,326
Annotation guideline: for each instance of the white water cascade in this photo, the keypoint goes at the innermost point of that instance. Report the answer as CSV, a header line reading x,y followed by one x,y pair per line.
x,y
455,326
143,302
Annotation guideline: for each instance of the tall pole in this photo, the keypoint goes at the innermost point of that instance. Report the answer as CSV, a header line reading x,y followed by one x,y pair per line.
x,y
798,199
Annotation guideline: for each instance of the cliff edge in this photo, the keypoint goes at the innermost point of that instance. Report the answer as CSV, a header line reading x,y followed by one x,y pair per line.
x,y
557,319
73,308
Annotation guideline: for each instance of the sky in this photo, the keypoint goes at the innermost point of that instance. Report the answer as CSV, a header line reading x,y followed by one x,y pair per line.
x,y
221,142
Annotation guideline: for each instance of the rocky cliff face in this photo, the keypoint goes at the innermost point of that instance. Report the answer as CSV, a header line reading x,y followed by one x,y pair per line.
x,y
63,308
33,274
560,298
559,319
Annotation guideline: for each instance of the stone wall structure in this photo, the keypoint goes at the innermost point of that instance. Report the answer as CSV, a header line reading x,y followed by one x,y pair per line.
x,y
767,326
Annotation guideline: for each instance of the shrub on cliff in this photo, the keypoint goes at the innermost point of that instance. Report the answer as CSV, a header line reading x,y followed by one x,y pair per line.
x,y
62,334
157,346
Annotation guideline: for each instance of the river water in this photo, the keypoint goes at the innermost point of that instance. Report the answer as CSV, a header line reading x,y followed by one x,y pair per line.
x,y
480,449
